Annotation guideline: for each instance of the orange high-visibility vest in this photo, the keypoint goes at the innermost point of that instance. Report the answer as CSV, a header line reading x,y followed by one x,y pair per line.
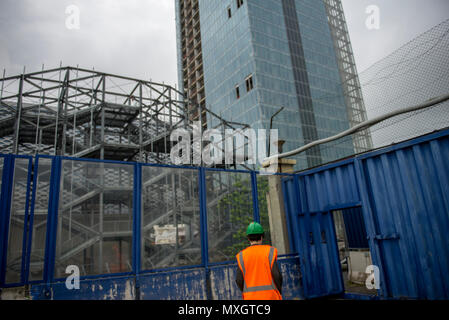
x,y
256,262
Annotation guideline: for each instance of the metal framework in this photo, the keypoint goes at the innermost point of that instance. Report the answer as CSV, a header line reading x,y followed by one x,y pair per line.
x,y
100,214
348,73
78,113
88,114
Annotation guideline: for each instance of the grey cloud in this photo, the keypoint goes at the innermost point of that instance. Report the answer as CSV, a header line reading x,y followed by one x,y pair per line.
x,y
133,37
400,22
137,37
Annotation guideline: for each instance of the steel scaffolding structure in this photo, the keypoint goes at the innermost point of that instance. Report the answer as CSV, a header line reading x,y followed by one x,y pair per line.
x,y
88,114
348,73
83,113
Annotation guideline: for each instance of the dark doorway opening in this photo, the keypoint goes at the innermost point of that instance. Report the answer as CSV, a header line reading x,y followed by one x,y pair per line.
x,y
353,249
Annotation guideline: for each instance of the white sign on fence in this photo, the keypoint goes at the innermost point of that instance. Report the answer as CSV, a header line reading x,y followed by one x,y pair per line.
x,y
166,234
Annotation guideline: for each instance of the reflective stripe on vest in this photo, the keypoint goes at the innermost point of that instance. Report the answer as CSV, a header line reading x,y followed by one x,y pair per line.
x,y
272,286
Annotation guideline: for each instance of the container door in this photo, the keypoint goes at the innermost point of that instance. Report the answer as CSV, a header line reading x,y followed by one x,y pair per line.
x,y
312,235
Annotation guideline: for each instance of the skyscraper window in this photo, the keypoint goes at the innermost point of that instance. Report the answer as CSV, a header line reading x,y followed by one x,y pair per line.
x,y
292,50
249,83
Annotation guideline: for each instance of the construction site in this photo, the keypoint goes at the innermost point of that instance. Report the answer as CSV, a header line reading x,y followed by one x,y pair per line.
x,y
87,180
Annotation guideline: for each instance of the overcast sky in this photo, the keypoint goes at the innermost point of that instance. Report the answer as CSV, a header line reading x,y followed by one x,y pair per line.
x,y
137,37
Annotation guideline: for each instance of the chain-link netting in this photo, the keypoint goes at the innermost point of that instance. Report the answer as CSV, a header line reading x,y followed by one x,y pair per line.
x,y
410,76
413,74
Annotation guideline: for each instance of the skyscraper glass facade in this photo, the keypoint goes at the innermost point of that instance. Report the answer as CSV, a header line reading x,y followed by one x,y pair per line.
x,y
285,48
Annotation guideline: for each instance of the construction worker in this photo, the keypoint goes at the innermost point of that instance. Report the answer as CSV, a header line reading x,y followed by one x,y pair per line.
x,y
258,275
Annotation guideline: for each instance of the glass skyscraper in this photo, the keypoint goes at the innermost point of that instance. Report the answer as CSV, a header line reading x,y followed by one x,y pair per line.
x,y
244,59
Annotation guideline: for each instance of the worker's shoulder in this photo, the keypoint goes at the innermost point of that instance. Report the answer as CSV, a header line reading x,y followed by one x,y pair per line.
x,y
258,247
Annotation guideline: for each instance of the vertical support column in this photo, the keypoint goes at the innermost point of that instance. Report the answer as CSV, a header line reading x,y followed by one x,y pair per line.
x,y
38,138
26,225
5,211
101,213
203,228
203,216
52,219
101,204
65,117
275,204
58,112
103,106
31,223
3,85
255,196
371,230
137,226
175,213
18,115
140,123
170,107
92,114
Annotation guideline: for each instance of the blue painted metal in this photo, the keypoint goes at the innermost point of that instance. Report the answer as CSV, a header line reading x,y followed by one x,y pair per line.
x,y
5,216
5,211
50,246
137,217
369,219
403,192
314,234
98,276
255,197
31,222
203,216
108,288
290,210
175,284
355,296
224,286
410,201
24,267
187,284
203,228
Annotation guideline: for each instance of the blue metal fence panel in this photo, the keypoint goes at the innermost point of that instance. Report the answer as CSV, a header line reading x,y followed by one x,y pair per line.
x,y
174,285
223,286
291,278
403,191
222,280
16,182
109,288
5,209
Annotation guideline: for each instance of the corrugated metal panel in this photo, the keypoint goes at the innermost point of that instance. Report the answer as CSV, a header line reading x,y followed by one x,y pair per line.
x,y
404,193
329,188
408,192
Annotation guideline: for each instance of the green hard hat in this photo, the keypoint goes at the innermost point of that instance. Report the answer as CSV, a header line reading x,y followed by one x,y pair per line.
x,y
254,228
